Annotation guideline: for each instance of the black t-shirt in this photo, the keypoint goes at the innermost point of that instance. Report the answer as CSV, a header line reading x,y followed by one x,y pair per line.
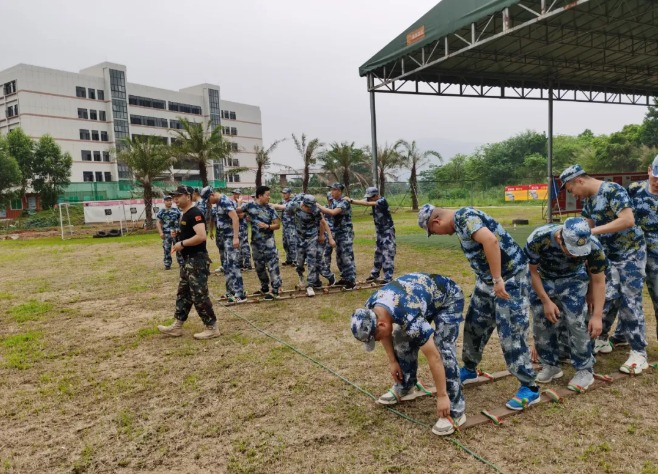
x,y
191,218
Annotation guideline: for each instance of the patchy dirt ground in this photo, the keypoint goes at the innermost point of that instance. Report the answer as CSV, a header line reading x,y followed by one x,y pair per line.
x,y
87,384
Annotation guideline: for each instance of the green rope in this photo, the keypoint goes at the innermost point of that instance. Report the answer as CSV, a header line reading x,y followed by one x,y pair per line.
x,y
365,392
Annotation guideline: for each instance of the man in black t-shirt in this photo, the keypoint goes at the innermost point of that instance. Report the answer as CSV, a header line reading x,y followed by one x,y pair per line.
x,y
193,283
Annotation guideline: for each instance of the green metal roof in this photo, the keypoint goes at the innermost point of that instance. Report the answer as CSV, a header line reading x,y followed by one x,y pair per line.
x,y
589,46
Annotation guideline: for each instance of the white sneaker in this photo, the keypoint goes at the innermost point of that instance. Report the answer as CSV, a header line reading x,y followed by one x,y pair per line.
x,y
310,292
602,346
444,427
391,397
636,363
549,373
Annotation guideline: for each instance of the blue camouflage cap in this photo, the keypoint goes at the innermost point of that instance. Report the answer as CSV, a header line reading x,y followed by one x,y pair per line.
x,y
309,200
424,215
236,191
653,167
570,173
205,192
576,236
338,186
363,324
286,191
370,192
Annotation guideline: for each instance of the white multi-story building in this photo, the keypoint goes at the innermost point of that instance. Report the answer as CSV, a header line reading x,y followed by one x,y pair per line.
x,y
89,112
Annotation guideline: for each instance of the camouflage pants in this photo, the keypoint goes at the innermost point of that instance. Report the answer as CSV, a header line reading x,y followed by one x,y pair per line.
x,y
624,298
232,274
511,320
290,241
325,257
167,244
193,289
569,294
219,242
651,269
345,258
245,252
445,336
385,252
266,261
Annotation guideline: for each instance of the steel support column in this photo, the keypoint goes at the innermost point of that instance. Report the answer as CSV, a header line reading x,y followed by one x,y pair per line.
x,y
374,130
550,151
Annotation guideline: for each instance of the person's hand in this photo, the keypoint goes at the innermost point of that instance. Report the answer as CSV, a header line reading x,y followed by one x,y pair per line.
x,y
332,243
595,327
177,247
346,198
321,239
500,290
396,373
262,225
534,354
236,242
162,236
443,406
552,313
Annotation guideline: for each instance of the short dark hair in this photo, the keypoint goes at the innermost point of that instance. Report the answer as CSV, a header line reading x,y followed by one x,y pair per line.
x,y
261,190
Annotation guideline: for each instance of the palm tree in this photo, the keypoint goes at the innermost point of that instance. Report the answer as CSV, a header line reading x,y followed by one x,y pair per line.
x,y
414,159
388,160
263,159
147,158
344,162
310,153
201,145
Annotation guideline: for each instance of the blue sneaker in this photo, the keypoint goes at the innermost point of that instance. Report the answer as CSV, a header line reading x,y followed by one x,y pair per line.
x,y
523,398
467,376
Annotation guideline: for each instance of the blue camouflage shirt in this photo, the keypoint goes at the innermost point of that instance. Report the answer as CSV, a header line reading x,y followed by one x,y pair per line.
x,y
343,220
414,300
467,222
543,250
330,220
645,212
604,207
382,216
221,211
169,218
258,213
201,205
286,218
307,224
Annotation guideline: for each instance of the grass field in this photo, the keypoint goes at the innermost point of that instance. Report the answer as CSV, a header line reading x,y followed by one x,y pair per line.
x,y
87,384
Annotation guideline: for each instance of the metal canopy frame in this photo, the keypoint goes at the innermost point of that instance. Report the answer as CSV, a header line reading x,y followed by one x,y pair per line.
x,y
593,51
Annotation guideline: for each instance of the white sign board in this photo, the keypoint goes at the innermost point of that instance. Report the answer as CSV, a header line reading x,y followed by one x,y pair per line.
x,y
120,210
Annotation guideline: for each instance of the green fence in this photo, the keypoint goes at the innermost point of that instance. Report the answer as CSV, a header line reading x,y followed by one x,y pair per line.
x,y
100,191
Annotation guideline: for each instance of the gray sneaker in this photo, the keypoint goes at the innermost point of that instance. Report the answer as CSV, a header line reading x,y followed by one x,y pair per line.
x,y
549,373
581,381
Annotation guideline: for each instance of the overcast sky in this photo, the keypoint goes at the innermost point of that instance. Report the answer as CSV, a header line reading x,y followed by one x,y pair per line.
x,y
297,60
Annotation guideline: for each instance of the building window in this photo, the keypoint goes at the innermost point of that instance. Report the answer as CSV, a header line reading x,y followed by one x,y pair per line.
x,y
97,156
16,204
84,134
225,114
172,140
82,113
108,176
12,111
101,115
146,102
86,155
95,135
175,124
234,131
185,108
233,178
92,93
124,171
232,115
106,157
118,84
87,176
99,176
92,115
234,146
100,94
10,87
235,162
104,136
81,92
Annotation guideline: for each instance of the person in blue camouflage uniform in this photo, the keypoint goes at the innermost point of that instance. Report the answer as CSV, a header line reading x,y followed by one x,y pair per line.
x,y
200,198
566,262
385,235
167,224
343,236
289,234
608,209
227,236
644,201
500,298
264,220
243,225
311,231
399,315
326,250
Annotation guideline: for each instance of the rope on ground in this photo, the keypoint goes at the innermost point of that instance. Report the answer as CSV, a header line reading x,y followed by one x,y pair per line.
x,y
365,392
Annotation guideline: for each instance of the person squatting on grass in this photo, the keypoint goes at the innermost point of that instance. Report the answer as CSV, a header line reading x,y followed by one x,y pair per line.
x,y
167,222
567,267
608,209
500,298
644,201
399,315
343,235
245,251
289,234
227,237
264,221
193,277
385,235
